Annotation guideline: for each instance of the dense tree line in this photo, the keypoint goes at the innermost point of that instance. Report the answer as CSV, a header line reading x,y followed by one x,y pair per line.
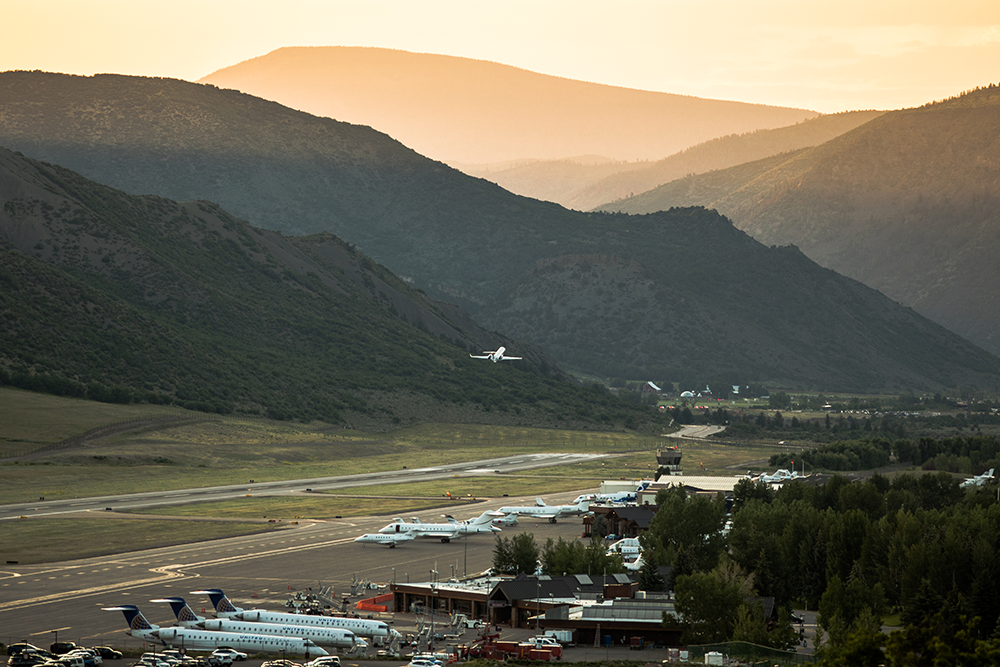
x,y
968,455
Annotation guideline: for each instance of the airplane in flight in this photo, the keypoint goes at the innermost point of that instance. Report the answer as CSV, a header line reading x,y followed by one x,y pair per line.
x,y
224,608
978,480
550,512
444,531
495,355
196,638
380,538
335,637
185,614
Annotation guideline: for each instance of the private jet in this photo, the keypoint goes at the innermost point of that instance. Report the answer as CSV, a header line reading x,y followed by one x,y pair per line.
x,y
612,498
495,355
444,531
978,480
550,512
378,538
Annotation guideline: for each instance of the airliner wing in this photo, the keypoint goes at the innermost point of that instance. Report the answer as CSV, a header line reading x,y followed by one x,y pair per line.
x,y
476,356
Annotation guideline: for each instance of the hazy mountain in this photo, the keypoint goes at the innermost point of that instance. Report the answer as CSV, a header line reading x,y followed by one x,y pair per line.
x,y
474,111
124,298
676,296
587,183
908,203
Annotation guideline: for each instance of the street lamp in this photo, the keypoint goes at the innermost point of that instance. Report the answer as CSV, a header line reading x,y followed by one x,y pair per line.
x,y
538,595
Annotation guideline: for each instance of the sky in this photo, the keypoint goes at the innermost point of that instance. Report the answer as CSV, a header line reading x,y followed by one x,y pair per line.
x,y
823,55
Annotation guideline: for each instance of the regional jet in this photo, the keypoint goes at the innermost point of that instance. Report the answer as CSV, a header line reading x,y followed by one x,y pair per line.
x,y
444,531
335,637
551,512
362,627
379,538
495,355
195,638
978,480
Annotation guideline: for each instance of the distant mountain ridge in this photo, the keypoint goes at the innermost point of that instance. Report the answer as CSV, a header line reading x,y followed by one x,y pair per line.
x,y
474,111
679,296
122,298
587,185
908,203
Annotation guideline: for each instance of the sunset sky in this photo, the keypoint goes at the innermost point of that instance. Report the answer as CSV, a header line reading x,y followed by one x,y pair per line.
x,y
825,55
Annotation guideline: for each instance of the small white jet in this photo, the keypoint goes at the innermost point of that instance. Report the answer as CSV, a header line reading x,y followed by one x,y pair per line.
x,y
445,532
495,355
611,498
379,538
550,512
978,480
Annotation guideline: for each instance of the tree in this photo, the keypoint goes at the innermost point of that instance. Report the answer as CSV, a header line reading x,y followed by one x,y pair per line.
x,y
515,555
707,602
681,522
650,578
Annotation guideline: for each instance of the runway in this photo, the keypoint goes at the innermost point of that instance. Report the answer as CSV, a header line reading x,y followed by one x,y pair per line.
x,y
39,602
174,497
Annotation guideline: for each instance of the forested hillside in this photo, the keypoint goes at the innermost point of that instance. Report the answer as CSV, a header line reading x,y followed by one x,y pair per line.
x,y
676,296
908,203
122,298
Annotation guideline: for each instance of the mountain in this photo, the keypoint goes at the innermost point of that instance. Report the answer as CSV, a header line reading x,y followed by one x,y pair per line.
x,y
908,203
474,111
587,183
679,296
123,298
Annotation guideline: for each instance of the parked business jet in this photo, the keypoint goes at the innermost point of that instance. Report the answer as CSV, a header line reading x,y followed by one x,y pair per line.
x,y
362,627
224,608
550,512
444,531
611,498
378,538
495,356
335,637
185,614
978,480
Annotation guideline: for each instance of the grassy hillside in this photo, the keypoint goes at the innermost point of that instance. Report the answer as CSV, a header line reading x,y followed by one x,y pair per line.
x,y
679,296
907,203
140,299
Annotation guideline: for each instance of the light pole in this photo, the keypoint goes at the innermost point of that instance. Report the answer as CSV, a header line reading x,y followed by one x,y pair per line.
x,y
538,595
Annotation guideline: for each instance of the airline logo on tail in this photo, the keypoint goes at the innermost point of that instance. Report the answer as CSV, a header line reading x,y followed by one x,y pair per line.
x,y
219,601
134,618
185,615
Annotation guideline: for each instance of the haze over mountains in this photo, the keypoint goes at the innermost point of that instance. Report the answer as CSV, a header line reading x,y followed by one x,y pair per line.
x,y
676,296
473,111
908,203
584,184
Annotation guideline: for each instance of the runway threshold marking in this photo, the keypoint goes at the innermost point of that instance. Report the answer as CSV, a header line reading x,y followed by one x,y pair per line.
x,y
168,572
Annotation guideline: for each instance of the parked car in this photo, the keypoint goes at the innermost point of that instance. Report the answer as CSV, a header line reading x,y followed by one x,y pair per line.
x,y
280,663
14,649
231,652
28,659
90,658
107,653
62,647
324,661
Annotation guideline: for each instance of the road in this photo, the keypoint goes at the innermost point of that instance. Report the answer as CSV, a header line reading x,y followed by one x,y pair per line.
x,y
135,500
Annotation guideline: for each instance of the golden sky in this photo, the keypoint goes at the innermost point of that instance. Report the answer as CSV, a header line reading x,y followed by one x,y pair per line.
x,y
824,55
